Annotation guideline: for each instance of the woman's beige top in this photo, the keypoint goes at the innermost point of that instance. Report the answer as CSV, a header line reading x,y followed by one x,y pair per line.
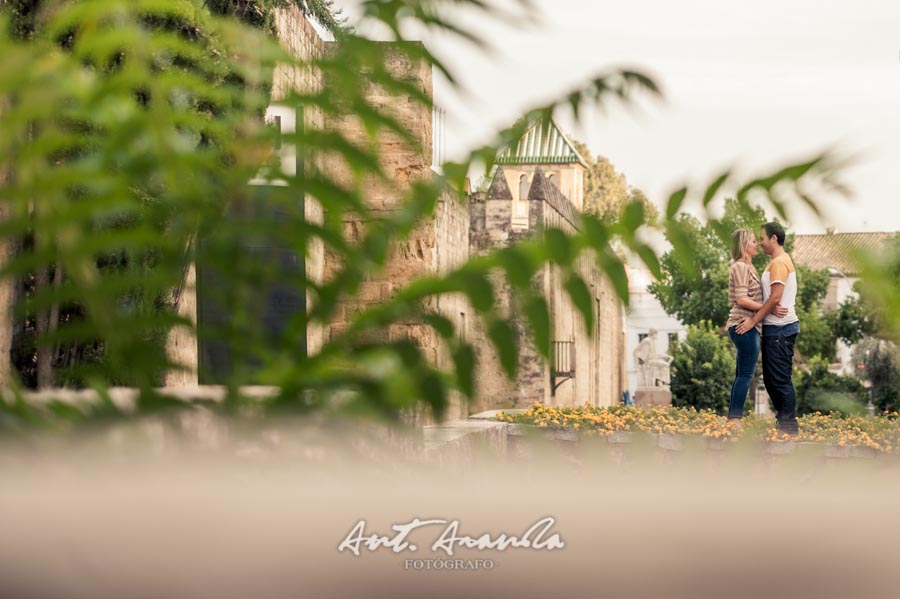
x,y
743,281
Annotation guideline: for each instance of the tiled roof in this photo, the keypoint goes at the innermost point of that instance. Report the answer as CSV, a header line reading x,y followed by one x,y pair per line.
x,y
543,143
835,250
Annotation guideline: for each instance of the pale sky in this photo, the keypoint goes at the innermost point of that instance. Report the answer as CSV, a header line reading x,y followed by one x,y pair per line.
x,y
746,84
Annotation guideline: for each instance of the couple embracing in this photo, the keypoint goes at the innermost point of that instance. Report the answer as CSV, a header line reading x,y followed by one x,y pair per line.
x,y
763,316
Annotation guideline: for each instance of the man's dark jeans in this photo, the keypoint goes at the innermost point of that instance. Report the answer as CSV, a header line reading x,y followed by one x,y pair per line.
x,y
747,346
778,363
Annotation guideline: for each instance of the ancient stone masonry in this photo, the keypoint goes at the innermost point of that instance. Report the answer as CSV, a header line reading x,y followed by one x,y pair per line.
x,y
451,227
297,34
437,245
598,362
524,197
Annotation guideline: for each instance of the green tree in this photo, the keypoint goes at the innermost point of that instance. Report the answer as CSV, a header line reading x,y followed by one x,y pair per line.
x,y
24,14
817,338
815,285
869,320
878,363
36,362
817,334
697,291
606,190
702,294
879,291
702,369
854,319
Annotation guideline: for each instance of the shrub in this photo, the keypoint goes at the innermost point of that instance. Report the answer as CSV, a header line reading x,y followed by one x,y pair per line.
x,y
819,390
702,369
817,338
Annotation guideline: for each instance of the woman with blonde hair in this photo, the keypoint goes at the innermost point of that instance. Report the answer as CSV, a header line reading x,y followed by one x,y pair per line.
x,y
745,297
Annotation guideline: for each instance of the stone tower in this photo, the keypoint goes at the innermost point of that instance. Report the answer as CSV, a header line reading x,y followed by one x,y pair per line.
x,y
539,183
544,145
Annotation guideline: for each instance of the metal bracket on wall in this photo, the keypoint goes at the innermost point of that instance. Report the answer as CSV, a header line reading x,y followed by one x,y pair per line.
x,y
563,367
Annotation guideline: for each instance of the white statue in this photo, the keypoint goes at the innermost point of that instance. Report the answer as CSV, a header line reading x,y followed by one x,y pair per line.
x,y
652,367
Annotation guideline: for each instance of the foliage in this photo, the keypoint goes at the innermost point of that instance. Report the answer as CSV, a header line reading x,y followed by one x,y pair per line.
x,y
25,14
817,337
130,147
879,287
699,291
887,397
881,434
606,191
854,319
260,13
813,289
819,390
699,295
878,363
22,16
702,369
117,150
866,313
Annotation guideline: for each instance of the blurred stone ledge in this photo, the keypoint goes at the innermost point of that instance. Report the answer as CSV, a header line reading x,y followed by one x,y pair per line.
x,y
124,398
464,439
457,440
249,434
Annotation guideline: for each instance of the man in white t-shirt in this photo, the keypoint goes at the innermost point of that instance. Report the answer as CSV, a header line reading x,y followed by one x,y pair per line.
x,y
779,286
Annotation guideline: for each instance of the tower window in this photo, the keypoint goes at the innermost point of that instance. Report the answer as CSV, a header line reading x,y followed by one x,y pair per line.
x,y
523,188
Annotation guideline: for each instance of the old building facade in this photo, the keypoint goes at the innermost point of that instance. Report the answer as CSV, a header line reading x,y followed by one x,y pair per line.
x,y
528,192
539,185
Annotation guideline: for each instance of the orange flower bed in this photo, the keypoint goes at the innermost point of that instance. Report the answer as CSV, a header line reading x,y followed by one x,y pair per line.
x,y
881,433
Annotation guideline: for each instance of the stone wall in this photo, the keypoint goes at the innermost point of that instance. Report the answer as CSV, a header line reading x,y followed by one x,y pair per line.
x,y
451,227
456,230
438,244
490,220
403,165
598,360
297,34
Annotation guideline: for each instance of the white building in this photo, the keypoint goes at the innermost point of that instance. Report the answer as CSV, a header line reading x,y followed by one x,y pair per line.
x,y
646,313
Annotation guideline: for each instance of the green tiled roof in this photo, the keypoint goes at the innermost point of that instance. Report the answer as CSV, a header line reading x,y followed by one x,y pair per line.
x,y
536,159
543,143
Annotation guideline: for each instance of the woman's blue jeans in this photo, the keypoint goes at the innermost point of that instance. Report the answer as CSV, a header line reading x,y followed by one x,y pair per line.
x,y
747,346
